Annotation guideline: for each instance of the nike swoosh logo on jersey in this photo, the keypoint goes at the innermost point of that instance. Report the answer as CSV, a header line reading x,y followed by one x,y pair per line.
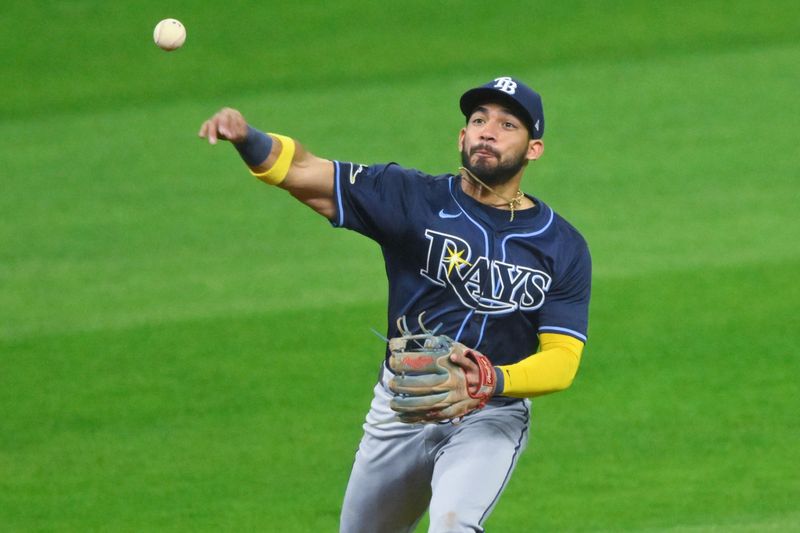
x,y
355,173
442,214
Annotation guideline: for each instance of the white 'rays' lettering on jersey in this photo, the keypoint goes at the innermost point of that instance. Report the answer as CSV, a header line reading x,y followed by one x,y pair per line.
x,y
488,286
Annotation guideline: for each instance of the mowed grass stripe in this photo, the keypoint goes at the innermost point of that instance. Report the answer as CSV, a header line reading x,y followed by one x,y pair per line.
x,y
184,349
679,414
204,424
323,44
683,412
146,224
784,522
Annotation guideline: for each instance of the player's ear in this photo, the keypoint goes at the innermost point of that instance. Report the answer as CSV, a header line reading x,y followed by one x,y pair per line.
x,y
461,135
535,149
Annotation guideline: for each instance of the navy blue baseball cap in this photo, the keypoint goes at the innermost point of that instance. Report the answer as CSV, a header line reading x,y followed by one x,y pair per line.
x,y
523,101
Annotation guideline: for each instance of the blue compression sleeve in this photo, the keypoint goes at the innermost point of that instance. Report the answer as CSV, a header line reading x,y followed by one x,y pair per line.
x,y
255,148
499,380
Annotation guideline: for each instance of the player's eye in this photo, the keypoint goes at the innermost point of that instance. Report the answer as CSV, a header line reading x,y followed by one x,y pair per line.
x,y
510,126
478,121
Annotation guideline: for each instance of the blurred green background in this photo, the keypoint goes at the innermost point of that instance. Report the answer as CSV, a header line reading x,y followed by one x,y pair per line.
x,y
185,349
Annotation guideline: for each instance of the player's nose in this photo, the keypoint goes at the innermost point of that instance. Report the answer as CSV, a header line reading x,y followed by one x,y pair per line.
x,y
488,135
488,132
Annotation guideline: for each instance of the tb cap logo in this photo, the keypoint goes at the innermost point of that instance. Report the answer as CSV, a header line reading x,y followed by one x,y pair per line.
x,y
505,84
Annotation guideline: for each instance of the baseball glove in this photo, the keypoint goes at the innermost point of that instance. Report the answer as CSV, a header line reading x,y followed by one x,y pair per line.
x,y
428,385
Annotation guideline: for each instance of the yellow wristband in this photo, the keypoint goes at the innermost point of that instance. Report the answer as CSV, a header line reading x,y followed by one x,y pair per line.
x,y
277,172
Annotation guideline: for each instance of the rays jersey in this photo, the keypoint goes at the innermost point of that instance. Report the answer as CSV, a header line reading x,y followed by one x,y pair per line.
x,y
492,283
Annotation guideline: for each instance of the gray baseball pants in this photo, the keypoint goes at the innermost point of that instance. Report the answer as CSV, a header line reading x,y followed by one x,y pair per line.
x,y
455,470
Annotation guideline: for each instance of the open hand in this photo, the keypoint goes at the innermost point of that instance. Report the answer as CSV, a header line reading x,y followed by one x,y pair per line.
x,y
227,124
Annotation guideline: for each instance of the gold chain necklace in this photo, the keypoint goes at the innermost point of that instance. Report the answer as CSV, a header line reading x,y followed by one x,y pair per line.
x,y
512,203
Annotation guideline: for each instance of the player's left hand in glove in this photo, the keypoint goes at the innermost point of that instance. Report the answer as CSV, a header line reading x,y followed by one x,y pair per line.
x,y
436,377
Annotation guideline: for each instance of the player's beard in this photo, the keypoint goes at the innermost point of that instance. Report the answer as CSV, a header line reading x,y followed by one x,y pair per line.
x,y
493,175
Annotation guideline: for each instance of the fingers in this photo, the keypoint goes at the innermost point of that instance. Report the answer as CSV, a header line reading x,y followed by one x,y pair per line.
x,y
407,404
461,359
417,362
418,385
224,124
437,413
470,368
227,124
209,131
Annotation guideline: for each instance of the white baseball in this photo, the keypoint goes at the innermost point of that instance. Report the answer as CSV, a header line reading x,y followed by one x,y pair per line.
x,y
169,34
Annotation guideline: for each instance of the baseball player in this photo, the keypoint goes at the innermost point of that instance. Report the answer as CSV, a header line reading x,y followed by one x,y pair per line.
x,y
488,306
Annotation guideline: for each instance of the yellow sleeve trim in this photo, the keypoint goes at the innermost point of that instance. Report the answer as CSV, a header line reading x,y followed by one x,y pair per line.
x,y
277,172
551,369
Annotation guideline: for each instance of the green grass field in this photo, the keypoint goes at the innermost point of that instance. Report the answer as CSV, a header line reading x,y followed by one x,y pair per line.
x,y
185,349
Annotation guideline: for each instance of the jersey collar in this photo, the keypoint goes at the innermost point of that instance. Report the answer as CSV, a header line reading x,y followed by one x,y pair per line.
x,y
533,219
